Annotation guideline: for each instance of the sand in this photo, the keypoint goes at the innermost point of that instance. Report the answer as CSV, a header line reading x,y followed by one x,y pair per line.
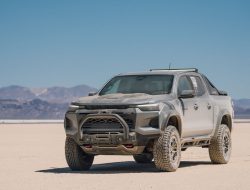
x,y
32,157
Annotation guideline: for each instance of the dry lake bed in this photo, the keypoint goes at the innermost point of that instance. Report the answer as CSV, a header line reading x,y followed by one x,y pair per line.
x,y
32,157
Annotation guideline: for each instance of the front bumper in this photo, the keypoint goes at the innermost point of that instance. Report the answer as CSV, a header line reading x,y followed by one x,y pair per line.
x,y
113,150
106,138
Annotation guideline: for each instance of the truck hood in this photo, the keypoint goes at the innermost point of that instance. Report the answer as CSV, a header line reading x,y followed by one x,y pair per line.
x,y
122,99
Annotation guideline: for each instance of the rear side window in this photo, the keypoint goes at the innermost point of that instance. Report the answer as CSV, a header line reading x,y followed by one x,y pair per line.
x,y
198,85
211,88
184,84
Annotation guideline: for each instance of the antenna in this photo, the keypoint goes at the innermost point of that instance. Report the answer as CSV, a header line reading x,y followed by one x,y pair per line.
x,y
169,66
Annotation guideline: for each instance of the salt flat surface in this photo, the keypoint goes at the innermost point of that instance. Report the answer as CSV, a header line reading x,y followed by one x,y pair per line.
x,y
32,157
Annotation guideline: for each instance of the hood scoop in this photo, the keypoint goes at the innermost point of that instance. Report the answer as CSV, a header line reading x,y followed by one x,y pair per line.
x,y
123,96
97,107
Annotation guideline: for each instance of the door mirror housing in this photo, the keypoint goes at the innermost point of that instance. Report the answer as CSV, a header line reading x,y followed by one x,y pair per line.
x,y
187,94
92,93
222,93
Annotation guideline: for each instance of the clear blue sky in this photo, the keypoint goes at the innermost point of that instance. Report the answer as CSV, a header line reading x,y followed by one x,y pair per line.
x,y
66,43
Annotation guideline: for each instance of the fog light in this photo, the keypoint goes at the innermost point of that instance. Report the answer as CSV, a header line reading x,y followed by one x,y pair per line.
x,y
120,139
87,139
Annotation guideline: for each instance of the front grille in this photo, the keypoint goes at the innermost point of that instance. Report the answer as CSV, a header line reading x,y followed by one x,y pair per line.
x,y
102,121
102,125
129,119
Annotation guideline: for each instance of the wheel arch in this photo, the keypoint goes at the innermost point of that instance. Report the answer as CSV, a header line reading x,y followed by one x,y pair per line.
x,y
225,118
174,120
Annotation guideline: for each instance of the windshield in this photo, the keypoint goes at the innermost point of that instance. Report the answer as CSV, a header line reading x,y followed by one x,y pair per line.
x,y
148,84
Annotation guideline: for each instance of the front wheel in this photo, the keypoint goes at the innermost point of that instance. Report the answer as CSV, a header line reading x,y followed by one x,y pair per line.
x,y
167,150
221,146
76,158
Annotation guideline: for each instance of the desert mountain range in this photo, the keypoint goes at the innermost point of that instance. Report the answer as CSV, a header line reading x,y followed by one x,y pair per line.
x,y
17,102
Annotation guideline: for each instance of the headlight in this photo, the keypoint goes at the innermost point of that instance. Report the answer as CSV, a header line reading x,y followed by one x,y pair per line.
x,y
73,107
149,107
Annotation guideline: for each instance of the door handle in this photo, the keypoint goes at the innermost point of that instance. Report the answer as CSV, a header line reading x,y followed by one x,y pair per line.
x,y
196,107
209,106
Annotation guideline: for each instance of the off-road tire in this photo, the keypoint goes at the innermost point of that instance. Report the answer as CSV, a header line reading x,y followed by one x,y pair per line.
x,y
221,146
167,150
76,158
143,158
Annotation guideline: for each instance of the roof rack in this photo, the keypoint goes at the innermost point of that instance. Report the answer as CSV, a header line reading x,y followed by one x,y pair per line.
x,y
181,69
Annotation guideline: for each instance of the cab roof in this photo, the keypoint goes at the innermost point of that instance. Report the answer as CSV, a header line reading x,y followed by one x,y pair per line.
x,y
162,71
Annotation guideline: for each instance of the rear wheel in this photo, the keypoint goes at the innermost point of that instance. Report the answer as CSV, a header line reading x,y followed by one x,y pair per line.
x,y
221,146
167,150
143,158
76,158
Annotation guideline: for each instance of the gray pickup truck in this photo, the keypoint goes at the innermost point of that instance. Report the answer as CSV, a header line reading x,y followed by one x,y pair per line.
x,y
151,115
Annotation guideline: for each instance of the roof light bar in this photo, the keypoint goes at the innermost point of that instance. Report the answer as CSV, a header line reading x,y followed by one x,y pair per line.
x,y
181,69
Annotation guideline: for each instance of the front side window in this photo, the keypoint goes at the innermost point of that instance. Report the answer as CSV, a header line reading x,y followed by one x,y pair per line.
x,y
198,85
184,84
148,84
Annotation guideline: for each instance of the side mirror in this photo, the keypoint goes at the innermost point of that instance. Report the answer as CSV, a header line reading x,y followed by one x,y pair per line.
x,y
222,93
92,93
187,94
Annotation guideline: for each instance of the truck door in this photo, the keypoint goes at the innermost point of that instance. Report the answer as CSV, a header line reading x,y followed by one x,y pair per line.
x,y
197,117
205,108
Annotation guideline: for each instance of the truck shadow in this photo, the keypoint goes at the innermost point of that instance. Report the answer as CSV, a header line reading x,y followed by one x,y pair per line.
x,y
121,167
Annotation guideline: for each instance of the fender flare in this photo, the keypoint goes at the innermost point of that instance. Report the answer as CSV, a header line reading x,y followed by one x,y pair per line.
x,y
221,114
165,122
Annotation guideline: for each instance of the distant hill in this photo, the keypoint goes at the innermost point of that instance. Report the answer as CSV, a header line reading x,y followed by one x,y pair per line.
x,y
242,103
16,93
65,95
33,109
242,108
53,94
17,102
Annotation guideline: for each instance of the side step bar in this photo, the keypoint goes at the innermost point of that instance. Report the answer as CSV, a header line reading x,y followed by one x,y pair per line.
x,y
199,141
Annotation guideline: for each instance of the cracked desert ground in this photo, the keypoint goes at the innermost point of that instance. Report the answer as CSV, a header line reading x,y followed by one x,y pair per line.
x,y
32,157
